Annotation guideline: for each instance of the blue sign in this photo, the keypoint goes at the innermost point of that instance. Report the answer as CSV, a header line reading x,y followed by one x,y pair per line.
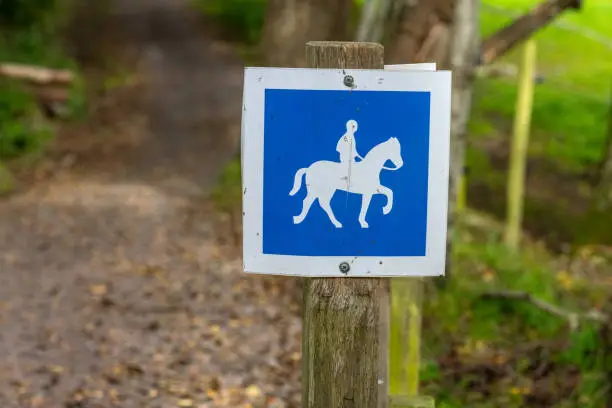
x,y
345,181
341,149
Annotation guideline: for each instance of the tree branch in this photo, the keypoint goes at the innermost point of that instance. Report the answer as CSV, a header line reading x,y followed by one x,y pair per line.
x,y
523,27
572,318
37,75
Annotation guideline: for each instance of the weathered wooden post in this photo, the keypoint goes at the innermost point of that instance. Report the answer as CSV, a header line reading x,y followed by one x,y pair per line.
x,y
346,320
313,206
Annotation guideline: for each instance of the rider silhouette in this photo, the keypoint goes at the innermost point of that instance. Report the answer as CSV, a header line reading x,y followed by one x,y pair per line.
x,y
346,146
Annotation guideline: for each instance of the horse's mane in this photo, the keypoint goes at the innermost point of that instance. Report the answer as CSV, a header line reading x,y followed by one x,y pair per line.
x,y
381,145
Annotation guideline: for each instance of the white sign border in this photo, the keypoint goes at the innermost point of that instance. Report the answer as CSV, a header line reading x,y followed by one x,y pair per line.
x,y
256,81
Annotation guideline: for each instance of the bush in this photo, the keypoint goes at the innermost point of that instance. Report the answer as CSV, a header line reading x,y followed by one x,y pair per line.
x,y
24,13
21,130
31,35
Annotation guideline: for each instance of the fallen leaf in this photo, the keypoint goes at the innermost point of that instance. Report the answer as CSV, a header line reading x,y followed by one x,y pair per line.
x,y
56,369
98,290
98,394
253,391
565,279
185,402
36,401
488,275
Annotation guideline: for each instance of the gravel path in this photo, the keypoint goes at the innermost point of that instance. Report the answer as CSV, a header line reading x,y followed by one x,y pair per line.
x,y
118,286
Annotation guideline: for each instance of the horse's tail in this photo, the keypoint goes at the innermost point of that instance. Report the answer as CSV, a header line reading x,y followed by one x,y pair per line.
x,y
297,184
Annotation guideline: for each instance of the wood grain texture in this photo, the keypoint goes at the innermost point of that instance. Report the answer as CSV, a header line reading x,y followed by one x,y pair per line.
x,y
346,321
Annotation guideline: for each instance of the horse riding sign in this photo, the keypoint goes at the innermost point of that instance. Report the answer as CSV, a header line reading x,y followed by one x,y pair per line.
x,y
345,172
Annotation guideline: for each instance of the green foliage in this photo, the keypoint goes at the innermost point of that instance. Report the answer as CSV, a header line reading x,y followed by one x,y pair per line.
x,y
568,127
244,17
228,191
7,182
24,13
20,130
31,36
458,320
571,106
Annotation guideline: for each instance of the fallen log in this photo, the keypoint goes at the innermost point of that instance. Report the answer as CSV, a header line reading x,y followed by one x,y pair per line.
x,y
523,27
37,75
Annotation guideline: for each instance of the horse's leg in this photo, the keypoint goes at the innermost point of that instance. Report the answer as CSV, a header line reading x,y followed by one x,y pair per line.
x,y
310,198
389,194
324,201
365,204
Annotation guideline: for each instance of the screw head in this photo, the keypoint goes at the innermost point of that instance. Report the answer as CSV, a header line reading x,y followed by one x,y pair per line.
x,y
349,81
344,267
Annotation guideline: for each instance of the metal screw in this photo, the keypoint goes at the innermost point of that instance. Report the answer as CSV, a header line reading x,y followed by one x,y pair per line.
x,y
345,267
349,81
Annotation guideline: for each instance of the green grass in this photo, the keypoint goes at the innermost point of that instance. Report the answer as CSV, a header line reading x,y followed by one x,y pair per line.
x,y
571,106
227,194
7,182
489,333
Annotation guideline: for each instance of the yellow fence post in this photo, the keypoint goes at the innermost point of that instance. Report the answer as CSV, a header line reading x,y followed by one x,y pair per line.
x,y
519,144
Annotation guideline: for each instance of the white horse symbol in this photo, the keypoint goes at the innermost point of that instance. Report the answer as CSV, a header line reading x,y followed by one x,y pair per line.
x,y
324,177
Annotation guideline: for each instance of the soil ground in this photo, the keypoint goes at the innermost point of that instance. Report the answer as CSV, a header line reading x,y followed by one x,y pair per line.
x,y
118,285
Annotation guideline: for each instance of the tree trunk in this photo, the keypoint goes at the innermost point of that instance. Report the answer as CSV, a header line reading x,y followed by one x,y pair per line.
x,y
292,23
463,57
374,16
423,33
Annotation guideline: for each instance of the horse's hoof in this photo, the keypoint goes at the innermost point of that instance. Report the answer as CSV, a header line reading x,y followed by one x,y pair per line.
x,y
296,219
338,225
386,210
364,225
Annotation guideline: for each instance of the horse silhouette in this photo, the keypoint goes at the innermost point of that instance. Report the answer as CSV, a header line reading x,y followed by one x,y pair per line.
x,y
324,177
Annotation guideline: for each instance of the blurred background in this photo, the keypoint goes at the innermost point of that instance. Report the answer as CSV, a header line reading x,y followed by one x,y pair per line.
x,y
120,235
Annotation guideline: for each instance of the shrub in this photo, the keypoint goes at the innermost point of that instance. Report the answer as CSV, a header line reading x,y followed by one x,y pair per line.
x,y
21,129
24,13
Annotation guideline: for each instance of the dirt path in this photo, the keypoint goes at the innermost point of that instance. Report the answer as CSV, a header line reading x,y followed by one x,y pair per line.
x,y
114,287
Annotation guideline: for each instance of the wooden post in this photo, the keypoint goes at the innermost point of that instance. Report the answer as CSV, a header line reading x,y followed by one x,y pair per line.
x,y
346,320
520,141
